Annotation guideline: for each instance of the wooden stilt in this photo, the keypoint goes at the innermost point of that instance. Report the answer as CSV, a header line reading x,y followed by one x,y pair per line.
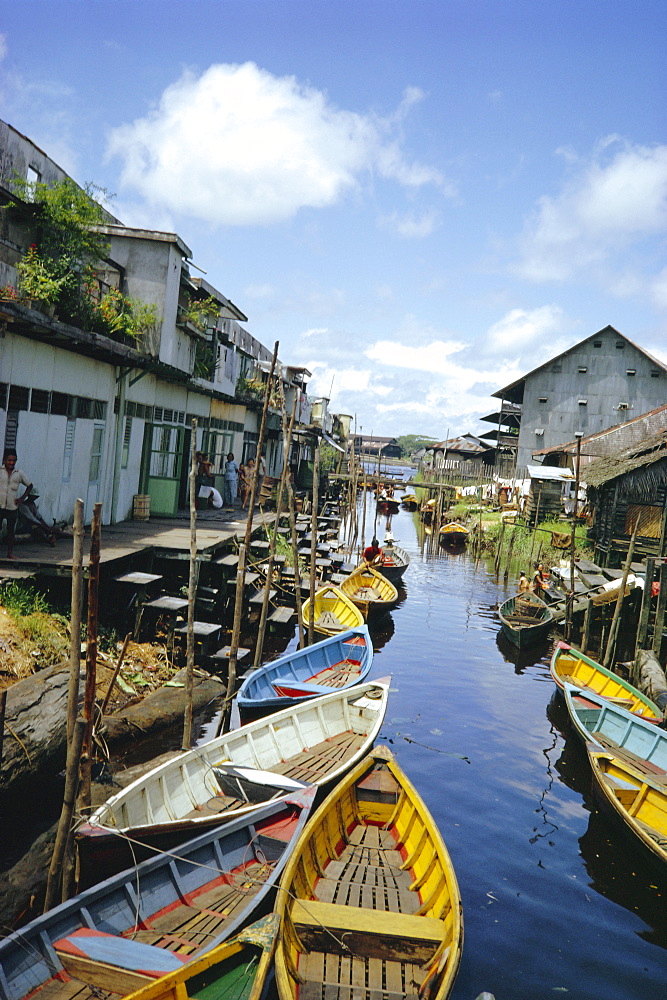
x,y
611,641
91,657
192,588
660,610
71,782
313,543
75,619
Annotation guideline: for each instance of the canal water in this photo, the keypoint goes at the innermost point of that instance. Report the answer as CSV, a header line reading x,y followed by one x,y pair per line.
x,y
555,902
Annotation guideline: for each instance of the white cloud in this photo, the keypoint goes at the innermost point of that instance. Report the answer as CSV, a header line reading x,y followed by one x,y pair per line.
x,y
433,357
618,198
524,330
411,226
3,46
239,146
265,291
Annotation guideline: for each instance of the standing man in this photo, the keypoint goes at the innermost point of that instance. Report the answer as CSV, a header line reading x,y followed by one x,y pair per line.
x,y
231,481
10,480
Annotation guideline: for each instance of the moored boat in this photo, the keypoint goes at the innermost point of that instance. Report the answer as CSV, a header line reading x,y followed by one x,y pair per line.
x,y
453,533
610,727
333,611
371,591
337,662
395,561
370,895
637,798
237,969
313,742
149,920
409,501
571,665
525,619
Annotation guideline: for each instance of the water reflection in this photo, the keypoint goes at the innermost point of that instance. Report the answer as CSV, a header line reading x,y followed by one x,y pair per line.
x,y
522,658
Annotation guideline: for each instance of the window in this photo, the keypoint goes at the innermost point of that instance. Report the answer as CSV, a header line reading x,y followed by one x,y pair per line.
x,y
165,453
597,343
69,448
126,443
3,395
619,345
18,397
583,402
60,405
582,369
83,407
33,175
556,368
539,431
630,371
622,406
543,399
655,373
39,401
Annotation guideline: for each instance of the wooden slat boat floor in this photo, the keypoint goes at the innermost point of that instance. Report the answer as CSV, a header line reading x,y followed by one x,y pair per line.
x,y
310,764
73,989
342,977
187,927
338,675
217,804
652,771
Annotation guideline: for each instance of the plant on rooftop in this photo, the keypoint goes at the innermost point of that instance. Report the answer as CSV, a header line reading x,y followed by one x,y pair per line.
x,y
37,279
198,311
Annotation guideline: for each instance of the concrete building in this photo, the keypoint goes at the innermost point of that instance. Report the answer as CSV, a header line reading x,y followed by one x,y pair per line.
x,y
601,381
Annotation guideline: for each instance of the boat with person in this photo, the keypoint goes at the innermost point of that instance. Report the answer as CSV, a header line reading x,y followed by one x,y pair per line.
x,y
337,662
525,618
638,799
311,742
333,611
610,727
571,665
237,969
369,896
370,590
395,561
150,919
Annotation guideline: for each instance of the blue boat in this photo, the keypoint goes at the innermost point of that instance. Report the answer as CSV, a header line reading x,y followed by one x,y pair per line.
x,y
148,921
335,663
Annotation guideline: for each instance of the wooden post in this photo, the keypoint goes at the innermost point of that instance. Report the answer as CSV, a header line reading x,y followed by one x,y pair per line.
x,y
287,444
91,657
660,610
642,629
260,446
313,543
570,603
119,664
75,619
537,514
586,633
226,711
192,590
62,835
496,567
611,641
3,706
509,556
292,525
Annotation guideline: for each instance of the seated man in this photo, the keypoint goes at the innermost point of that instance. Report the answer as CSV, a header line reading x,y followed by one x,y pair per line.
x,y
373,554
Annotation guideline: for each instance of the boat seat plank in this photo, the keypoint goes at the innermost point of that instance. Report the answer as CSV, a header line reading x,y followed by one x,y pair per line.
x,y
73,989
320,758
656,774
216,804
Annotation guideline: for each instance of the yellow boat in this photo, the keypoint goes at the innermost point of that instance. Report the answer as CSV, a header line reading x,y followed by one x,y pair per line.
x,y
636,794
369,590
369,896
334,612
453,533
237,968
571,665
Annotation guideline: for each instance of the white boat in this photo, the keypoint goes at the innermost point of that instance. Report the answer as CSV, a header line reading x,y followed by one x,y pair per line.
x,y
313,743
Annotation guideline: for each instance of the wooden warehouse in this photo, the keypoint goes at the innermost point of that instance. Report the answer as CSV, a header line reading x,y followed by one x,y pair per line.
x,y
629,488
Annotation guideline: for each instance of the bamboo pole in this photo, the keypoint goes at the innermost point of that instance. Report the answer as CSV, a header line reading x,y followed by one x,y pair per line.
x,y
226,711
510,547
192,590
64,823
75,619
3,707
91,657
260,446
660,610
119,664
313,543
588,618
642,629
292,525
259,645
496,566
611,641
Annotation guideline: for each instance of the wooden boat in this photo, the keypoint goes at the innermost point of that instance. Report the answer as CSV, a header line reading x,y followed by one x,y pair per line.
x,y
338,662
371,591
395,561
569,664
149,920
410,501
237,969
638,798
312,742
610,727
388,505
369,895
427,510
525,618
453,534
334,612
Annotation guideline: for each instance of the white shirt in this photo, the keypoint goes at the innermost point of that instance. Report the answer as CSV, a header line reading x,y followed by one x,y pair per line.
x,y
9,487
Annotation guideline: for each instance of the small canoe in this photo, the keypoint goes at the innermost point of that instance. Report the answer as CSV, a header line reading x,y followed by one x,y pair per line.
x,y
610,727
569,664
312,742
638,799
388,505
338,662
334,612
369,895
151,919
525,619
371,591
410,501
237,969
395,561
453,534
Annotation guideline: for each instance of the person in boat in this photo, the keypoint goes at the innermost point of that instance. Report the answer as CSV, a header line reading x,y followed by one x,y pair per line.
x,y
524,582
539,584
373,554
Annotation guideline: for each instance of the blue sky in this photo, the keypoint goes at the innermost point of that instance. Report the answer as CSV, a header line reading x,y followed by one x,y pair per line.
x,y
420,200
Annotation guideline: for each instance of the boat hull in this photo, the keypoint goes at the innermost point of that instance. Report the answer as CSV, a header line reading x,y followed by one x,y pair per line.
x,y
334,612
570,664
394,563
525,619
612,728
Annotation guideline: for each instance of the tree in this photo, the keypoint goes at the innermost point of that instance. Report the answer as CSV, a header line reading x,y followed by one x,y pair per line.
x,y
410,443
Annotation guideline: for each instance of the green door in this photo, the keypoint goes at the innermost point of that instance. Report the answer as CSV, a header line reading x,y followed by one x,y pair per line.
x,y
162,466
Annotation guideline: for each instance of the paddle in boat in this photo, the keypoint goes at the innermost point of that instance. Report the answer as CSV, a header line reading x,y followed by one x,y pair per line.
x,y
571,665
453,534
333,611
338,662
525,618
635,795
372,592
149,920
610,727
369,898
312,742
236,970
